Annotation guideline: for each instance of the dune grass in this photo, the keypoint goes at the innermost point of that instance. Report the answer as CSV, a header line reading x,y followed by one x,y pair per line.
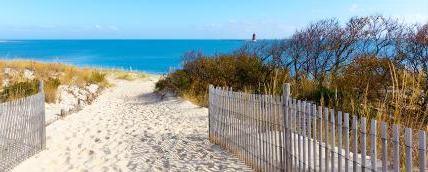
x,y
129,76
52,74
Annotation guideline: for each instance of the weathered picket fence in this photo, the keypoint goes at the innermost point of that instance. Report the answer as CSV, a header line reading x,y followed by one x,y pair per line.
x,y
278,133
22,129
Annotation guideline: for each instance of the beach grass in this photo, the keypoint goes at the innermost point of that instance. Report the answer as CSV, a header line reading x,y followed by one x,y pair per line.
x,y
18,77
129,76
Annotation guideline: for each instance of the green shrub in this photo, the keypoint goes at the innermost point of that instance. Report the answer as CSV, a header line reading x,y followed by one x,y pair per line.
x,y
239,71
19,90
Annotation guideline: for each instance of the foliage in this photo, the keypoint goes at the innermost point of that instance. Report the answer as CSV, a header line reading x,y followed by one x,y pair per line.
x,y
19,90
239,71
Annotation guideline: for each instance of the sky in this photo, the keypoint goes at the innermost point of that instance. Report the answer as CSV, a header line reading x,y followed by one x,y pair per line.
x,y
186,19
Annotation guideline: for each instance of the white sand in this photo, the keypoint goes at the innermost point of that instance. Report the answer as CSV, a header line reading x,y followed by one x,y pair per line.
x,y
128,128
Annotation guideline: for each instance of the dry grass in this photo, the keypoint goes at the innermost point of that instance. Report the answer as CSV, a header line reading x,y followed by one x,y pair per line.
x,y
55,74
129,76
67,74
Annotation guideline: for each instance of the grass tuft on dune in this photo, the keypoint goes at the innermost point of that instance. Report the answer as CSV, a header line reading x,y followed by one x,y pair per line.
x,y
20,77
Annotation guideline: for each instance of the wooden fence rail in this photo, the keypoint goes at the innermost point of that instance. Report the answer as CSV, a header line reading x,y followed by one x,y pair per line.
x,y
279,133
22,129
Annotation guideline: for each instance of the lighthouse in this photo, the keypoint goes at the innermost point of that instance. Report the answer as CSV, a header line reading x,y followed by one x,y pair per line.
x,y
254,37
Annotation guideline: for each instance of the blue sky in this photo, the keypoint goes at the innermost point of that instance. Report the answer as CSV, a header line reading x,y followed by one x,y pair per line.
x,y
185,19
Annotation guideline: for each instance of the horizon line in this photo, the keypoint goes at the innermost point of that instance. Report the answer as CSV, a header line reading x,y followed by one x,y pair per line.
x,y
89,39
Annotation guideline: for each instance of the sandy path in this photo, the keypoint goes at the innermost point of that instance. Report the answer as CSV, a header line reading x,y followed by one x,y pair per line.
x,y
130,129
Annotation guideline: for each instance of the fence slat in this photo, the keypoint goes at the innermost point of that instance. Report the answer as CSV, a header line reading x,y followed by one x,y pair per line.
x,y
373,154
408,143
346,128
299,133
290,134
396,147
363,144
355,143
422,150
384,140
309,136
326,146
339,143
303,115
294,154
320,137
263,133
314,133
333,140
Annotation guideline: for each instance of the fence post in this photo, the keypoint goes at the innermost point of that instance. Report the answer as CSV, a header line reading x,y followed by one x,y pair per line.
x,y
422,150
285,157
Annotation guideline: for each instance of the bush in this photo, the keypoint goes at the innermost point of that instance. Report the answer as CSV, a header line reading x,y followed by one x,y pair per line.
x,y
367,75
19,90
241,72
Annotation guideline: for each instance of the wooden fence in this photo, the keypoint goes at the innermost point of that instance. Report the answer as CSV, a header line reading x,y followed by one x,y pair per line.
x,y
278,133
22,129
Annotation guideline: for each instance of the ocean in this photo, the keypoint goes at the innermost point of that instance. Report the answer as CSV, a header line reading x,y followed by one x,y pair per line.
x,y
152,56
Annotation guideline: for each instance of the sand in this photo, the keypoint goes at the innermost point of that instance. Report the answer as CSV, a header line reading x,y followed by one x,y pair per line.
x,y
129,128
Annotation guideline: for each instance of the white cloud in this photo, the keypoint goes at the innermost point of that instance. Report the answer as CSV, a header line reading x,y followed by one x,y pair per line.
x,y
98,27
354,8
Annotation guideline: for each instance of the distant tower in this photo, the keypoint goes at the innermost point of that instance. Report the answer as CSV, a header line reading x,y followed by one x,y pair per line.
x,y
254,37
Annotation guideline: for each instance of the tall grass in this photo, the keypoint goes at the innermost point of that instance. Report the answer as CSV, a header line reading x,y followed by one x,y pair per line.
x,y
53,75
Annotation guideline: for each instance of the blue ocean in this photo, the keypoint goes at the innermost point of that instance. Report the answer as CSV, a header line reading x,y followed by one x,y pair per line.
x,y
152,56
